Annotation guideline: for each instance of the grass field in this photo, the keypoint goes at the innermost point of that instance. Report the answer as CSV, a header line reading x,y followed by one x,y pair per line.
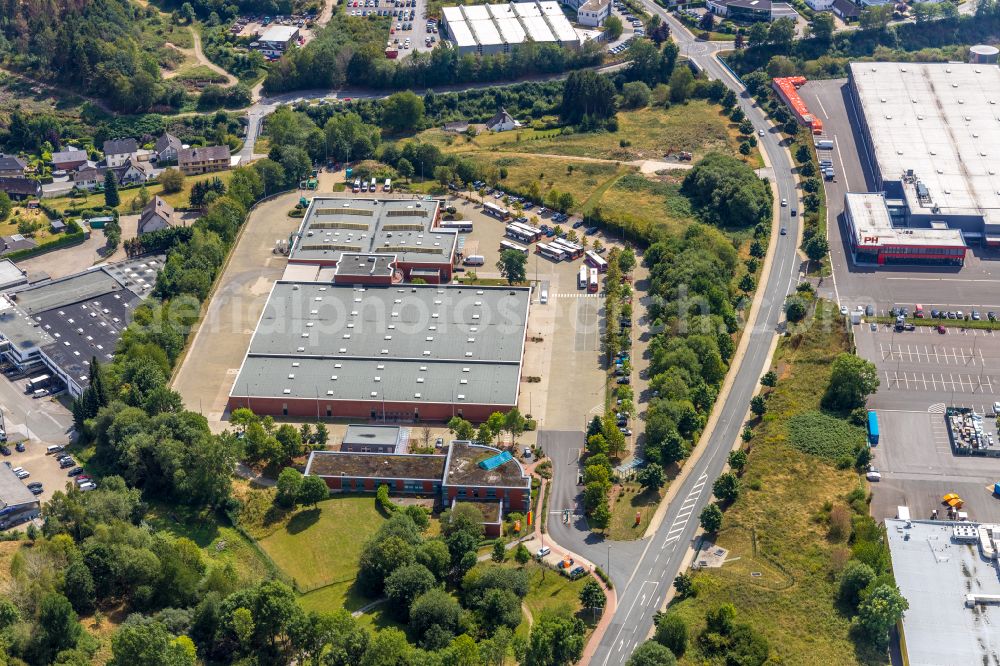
x,y
632,498
774,531
649,133
321,546
177,199
648,201
41,222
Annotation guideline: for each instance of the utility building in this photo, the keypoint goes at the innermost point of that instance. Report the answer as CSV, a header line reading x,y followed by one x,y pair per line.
x,y
498,28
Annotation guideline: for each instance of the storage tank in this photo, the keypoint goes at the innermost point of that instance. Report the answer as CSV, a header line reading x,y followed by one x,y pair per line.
x,y
984,54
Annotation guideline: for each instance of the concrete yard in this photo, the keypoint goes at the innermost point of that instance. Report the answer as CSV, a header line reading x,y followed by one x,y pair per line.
x,y
918,468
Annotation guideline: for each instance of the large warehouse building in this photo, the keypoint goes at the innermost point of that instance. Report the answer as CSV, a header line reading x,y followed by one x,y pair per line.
x,y
931,132
385,353
498,28
403,235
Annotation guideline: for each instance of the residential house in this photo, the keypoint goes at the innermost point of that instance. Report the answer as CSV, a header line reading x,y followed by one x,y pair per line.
x,y
820,5
20,187
12,166
593,13
502,122
134,172
88,177
157,214
193,161
69,159
118,151
167,147
846,10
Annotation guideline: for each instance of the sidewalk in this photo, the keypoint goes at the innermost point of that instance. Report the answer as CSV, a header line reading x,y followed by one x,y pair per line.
x,y
538,540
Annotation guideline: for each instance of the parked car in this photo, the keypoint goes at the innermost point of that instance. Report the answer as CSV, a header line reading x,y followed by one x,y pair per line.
x,y
20,447
35,484
624,380
4,450
577,572
76,471
37,491
88,486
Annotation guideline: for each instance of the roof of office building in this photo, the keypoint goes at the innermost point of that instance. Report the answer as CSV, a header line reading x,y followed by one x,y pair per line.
x,y
935,573
463,468
873,227
942,122
404,227
361,265
377,435
10,274
413,343
13,492
278,33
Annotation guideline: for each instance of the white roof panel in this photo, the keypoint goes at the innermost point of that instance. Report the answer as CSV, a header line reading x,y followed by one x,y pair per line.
x,y
510,30
486,32
537,28
561,27
501,11
452,14
527,9
476,13
461,34
550,8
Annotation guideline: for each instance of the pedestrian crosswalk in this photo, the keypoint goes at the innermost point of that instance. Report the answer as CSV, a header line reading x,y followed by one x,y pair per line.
x,y
576,295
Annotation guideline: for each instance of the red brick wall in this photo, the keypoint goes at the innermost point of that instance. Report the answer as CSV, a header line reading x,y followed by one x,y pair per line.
x,y
361,409
384,280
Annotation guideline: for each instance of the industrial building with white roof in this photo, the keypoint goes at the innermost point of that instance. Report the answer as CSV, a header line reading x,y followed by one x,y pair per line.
x,y
498,28
402,233
931,132
947,571
385,353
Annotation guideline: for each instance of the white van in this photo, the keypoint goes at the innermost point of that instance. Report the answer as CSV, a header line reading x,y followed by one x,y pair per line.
x,y
543,551
544,297
55,448
475,260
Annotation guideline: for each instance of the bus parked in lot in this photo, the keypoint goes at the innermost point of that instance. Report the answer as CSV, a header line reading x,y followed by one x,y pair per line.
x,y
510,245
518,233
571,249
592,284
550,252
597,261
373,187
872,428
581,281
457,225
496,211
387,186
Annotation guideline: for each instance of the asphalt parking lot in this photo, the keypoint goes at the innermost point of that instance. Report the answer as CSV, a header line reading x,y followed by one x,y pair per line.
x,y
43,468
922,368
974,285
918,469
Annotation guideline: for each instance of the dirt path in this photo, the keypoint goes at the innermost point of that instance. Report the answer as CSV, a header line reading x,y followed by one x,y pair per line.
x,y
327,13
202,60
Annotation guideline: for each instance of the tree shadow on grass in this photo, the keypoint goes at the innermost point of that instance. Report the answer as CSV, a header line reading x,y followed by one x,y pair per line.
x,y
302,521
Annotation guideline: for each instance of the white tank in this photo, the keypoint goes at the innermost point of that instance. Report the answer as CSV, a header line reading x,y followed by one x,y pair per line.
x,y
984,54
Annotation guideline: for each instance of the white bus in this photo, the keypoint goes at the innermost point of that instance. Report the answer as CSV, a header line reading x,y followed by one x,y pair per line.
x,y
457,225
592,285
496,211
387,186
581,282
597,261
519,234
36,383
549,252
571,249
373,187
510,245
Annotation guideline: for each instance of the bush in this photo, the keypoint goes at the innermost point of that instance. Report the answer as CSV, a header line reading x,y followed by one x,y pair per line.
x,y
383,501
820,434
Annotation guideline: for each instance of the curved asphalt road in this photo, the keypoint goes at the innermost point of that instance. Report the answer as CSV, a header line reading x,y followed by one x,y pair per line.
x,y
643,579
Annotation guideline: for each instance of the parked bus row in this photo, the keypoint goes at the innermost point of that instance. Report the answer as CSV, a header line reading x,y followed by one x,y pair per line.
x,y
588,279
364,186
597,261
496,211
457,225
510,245
522,232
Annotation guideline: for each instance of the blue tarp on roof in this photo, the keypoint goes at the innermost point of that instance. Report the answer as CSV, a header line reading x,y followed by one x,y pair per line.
x,y
496,461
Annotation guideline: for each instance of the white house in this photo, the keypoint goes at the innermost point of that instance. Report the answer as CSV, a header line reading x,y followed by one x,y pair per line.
x,y
820,5
593,13
166,147
157,214
134,172
502,122
118,151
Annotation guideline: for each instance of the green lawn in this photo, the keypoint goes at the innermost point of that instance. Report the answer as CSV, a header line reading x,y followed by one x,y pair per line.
x,y
781,562
321,546
632,498
177,199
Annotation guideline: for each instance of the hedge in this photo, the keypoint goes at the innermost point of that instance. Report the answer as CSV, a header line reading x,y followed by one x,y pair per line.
x,y
64,241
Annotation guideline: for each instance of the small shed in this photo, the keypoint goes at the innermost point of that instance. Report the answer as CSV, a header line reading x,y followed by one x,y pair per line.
x,y
57,226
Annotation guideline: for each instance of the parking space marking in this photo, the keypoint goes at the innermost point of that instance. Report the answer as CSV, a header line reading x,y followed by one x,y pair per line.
x,y
955,382
921,354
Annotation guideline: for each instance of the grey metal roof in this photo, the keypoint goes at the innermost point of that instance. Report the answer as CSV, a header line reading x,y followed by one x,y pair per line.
x,y
120,146
413,343
404,227
934,574
10,274
13,492
202,154
365,265
380,435
71,289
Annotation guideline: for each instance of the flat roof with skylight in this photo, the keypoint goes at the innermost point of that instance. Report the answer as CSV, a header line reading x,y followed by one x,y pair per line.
x,y
401,344
333,226
935,127
871,226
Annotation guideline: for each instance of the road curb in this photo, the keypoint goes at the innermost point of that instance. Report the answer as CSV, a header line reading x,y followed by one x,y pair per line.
x,y
734,367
